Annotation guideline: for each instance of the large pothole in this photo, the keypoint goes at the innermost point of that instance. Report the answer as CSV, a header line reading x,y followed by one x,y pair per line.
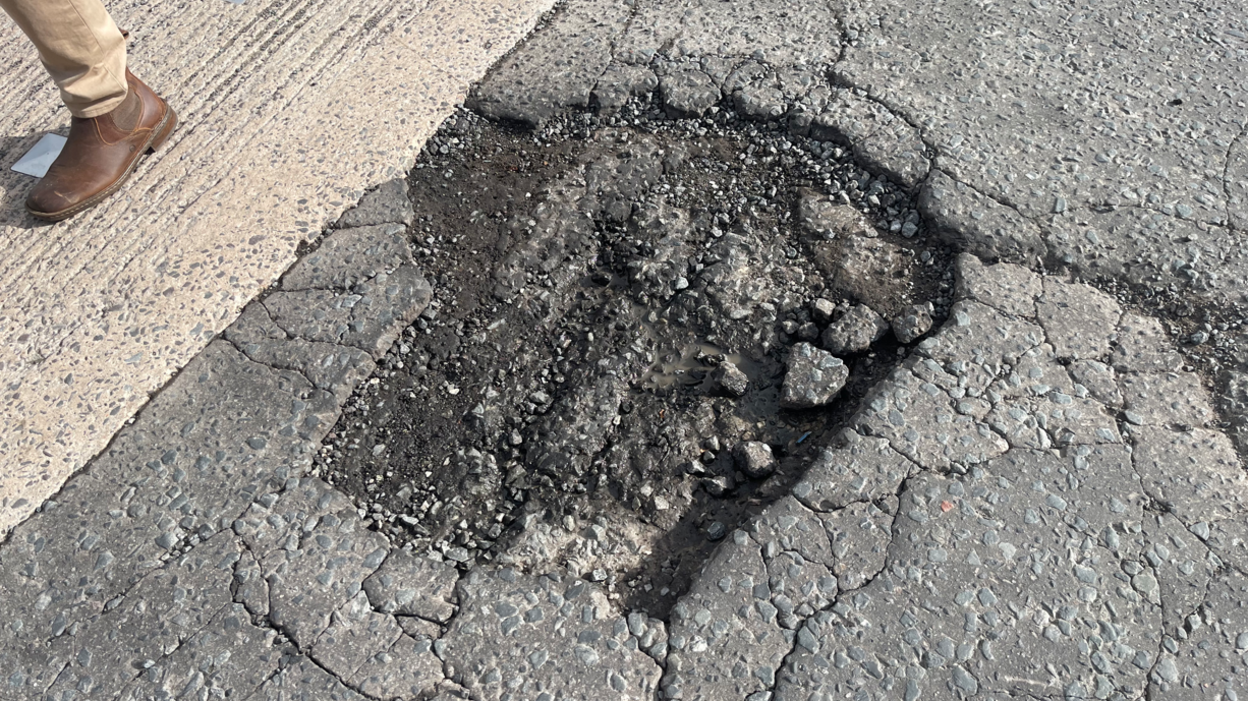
x,y
615,301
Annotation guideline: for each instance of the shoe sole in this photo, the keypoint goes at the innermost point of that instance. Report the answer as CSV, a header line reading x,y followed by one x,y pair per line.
x,y
159,136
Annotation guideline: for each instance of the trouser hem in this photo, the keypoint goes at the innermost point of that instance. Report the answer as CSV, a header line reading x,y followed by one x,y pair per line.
x,y
99,108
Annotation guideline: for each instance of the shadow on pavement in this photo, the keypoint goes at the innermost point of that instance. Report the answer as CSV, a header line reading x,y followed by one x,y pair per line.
x,y
15,186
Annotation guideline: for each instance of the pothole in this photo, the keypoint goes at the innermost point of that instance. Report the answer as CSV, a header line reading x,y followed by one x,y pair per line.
x,y
615,301
1213,341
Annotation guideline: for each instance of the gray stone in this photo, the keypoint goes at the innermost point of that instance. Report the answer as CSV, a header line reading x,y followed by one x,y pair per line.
x,y
855,331
896,150
716,531
663,273
349,257
813,378
719,485
1049,571
388,203
754,458
1078,320
411,586
30,668
719,68
822,310
913,322
989,139
849,119
731,380
578,643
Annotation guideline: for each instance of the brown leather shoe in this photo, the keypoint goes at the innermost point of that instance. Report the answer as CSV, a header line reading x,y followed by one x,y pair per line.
x,y
101,152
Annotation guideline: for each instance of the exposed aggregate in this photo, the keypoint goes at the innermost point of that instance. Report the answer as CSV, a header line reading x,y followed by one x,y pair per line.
x,y
1037,501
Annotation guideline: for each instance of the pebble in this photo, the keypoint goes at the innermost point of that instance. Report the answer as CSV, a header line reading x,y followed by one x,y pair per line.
x,y
754,458
731,380
913,322
813,378
855,331
719,485
716,531
822,310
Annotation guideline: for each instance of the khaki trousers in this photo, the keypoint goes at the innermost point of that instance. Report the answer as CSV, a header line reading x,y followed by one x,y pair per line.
x,y
80,46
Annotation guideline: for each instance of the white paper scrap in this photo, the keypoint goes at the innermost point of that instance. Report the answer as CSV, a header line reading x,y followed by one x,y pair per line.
x,y
37,160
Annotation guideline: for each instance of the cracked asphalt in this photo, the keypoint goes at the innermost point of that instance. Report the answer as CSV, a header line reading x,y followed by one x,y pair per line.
x,y
1043,498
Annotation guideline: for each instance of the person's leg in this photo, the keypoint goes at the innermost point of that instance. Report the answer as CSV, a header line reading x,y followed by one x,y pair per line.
x,y
80,46
116,119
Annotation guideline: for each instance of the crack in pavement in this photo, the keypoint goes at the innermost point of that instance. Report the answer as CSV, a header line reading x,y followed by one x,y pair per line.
x,y
1102,208
956,471
798,640
1226,176
294,367
167,654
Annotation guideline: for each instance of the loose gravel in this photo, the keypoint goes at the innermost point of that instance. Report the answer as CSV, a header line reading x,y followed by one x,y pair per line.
x,y
616,300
